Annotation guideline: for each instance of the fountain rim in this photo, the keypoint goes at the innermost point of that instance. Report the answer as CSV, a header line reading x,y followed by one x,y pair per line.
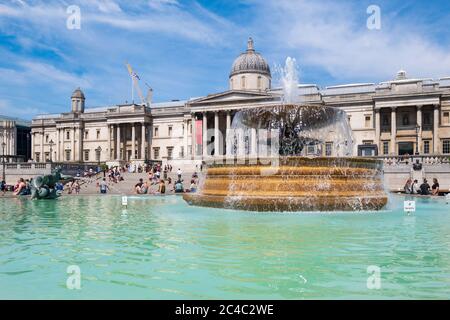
x,y
351,161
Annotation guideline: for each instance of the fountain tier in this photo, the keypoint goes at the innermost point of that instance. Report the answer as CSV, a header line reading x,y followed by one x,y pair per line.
x,y
296,184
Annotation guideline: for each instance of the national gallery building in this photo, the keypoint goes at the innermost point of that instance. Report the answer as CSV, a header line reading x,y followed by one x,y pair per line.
x,y
396,117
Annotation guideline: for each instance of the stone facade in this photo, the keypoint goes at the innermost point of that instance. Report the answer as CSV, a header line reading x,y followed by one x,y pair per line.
x,y
401,116
15,140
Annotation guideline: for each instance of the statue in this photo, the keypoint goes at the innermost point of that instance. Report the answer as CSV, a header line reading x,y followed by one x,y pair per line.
x,y
44,187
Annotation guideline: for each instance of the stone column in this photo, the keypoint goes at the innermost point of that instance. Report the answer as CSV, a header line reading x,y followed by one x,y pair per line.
x,y
436,129
143,140
108,142
133,141
253,147
377,130
32,145
228,126
118,141
185,137
56,158
73,145
42,147
419,123
194,136
393,130
149,141
216,135
205,135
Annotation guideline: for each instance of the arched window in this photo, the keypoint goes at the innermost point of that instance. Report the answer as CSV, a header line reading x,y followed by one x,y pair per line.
x,y
259,82
231,84
243,82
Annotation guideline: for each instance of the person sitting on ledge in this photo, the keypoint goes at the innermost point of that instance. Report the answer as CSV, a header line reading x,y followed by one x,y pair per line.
x,y
144,188
435,187
162,187
415,187
3,187
193,187
138,186
178,187
408,187
21,188
425,188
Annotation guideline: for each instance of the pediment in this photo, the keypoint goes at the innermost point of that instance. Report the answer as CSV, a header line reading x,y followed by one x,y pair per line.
x,y
232,95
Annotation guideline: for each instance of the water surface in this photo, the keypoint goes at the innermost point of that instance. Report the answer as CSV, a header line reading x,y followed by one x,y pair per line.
x,y
161,248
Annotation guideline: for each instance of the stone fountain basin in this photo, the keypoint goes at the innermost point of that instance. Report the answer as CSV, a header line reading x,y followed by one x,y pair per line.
x,y
293,184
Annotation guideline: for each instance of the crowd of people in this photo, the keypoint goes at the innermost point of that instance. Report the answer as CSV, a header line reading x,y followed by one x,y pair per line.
x,y
413,187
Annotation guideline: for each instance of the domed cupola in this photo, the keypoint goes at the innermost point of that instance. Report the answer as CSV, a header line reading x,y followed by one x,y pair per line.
x,y
78,99
250,71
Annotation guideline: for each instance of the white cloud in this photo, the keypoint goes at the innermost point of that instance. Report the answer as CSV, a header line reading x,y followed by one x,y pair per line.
x,y
333,36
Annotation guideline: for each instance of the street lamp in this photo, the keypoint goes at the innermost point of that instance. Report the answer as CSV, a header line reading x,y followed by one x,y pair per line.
x,y
3,161
51,143
417,139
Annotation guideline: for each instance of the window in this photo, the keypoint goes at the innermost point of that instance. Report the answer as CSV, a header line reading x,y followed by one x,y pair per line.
x,y
67,155
426,146
86,155
156,131
367,122
259,82
385,120
47,156
182,152
86,134
311,149
46,138
328,149
405,120
170,131
169,152
97,155
98,134
243,82
231,84
156,153
427,118
446,146
37,157
67,135
446,119
385,147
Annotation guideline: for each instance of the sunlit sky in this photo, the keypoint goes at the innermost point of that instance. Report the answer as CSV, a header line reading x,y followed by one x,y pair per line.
x,y
185,49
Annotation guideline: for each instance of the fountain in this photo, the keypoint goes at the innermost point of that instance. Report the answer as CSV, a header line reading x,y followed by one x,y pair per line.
x,y
288,170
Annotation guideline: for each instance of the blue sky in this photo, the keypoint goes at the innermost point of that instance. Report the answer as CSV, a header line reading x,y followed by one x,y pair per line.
x,y
185,49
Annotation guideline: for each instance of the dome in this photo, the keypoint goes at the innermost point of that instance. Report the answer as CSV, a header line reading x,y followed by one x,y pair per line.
x,y
78,94
250,62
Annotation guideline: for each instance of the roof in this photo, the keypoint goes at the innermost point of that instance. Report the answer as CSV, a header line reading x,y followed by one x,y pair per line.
x,y
19,122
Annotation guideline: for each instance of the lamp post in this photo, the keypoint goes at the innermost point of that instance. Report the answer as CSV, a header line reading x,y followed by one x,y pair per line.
x,y
417,139
3,161
51,143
